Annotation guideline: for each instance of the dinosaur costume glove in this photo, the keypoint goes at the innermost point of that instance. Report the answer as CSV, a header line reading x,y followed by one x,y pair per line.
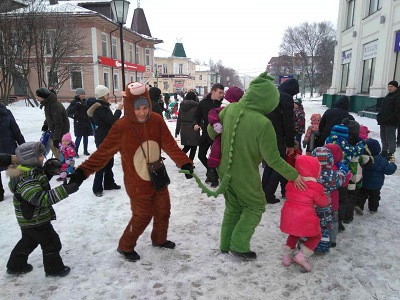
x,y
188,167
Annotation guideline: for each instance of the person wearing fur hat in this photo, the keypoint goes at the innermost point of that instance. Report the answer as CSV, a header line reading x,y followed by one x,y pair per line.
x,y
155,97
148,135
389,119
373,178
232,95
247,139
10,137
104,119
33,201
82,125
189,137
298,217
56,119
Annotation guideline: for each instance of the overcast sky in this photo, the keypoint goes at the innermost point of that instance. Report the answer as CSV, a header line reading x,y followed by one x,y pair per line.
x,y
244,35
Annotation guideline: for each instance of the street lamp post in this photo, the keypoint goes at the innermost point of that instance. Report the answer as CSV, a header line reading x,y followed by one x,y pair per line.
x,y
227,81
120,11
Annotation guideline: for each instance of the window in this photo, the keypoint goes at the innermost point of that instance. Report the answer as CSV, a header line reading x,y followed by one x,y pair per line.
x,y
49,41
52,79
374,5
147,57
165,85
132,78
350,13
104,48
131,53
165,69
180,69
106,78
116,86
200,77
137,58
368,75
140,77
345,77
76,80
114,48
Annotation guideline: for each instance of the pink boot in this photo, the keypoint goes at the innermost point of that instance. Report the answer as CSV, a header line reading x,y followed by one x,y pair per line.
x,y
301,258
287,255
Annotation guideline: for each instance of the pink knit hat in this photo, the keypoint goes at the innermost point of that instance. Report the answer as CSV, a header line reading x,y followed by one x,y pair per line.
x,y
66,138
364,132
233,94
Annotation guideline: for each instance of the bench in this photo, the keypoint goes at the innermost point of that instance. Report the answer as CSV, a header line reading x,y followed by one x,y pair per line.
x,y
368,114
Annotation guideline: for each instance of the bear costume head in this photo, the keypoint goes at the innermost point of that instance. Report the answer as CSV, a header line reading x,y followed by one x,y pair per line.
x,y
133,92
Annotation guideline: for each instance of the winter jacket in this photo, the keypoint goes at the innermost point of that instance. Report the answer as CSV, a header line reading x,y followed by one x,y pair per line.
x,y
333,116
33,197
349,151
374,173
298,216
5,160
11,135
82,124
201,115
299,120
56,117
184,124
103,118
315,120
389,113
282,116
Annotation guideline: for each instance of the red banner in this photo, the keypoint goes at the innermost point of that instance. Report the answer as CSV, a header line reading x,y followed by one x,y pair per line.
x,y
106,61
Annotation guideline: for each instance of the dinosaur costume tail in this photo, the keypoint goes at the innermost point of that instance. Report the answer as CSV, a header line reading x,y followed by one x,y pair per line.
x,y
204,189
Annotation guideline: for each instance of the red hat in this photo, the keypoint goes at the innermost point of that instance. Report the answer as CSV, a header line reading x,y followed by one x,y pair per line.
x,y
233,94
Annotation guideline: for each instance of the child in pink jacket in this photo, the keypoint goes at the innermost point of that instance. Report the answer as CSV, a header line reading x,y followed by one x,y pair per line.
x,y
298,218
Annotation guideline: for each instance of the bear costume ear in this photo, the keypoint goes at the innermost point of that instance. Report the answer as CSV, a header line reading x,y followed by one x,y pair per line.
x,y
136,88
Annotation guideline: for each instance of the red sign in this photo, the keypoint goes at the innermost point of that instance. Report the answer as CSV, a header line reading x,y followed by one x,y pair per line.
x,y
106,61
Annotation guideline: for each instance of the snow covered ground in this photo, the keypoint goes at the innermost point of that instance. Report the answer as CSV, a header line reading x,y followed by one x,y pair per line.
x,y
364,265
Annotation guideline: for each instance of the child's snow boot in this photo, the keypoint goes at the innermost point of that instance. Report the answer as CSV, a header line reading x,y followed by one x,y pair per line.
x,y
301,258
287,255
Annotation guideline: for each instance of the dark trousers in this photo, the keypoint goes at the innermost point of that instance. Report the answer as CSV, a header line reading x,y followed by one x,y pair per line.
x,y
1,186
271,178
373,197
205,144
343,197
105,175
192,149
43,235
85,143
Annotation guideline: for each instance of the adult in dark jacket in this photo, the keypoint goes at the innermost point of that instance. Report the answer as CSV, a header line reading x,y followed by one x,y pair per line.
x,y
389,118
56,119
104,119
184,126
82,125
283,121
166,100
331,117
155,96
213,100
10,137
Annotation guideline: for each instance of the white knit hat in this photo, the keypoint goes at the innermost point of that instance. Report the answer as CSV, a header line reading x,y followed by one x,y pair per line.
x,y
101,91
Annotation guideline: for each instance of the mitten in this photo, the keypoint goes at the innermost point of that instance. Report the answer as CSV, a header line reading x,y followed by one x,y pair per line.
x,y
56,143
188,167
45,127
71,188
78,177
218,128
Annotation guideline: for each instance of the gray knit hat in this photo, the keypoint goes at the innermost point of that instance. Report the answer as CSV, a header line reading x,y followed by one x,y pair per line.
x,y
80,91
28,154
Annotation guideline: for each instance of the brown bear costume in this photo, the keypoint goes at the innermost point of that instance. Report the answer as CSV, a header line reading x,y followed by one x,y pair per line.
x,y
146,203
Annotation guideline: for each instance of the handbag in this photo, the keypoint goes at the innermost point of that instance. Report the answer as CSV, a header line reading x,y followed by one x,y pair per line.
x,y
157,171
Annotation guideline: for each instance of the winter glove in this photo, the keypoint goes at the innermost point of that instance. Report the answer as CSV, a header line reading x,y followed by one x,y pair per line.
x,y
188,167
71,188
45,127
56,143
77,178
218,128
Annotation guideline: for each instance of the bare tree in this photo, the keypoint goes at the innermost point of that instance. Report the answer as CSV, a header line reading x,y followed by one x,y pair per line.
x,y
304,43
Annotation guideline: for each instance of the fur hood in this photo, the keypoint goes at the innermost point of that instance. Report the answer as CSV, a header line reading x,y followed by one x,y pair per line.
x,y
93,108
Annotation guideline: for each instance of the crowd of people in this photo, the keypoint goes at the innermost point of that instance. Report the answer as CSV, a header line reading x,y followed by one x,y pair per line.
x,y
323,186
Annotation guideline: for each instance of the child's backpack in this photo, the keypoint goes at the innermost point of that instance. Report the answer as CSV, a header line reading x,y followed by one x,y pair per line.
x,y
45,140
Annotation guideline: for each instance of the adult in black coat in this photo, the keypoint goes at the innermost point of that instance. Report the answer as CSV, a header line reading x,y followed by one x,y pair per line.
x,y
389,118
82,125
184,126
166,100
283,122
56,119
155,97
331,117
103,119
213,100
10,137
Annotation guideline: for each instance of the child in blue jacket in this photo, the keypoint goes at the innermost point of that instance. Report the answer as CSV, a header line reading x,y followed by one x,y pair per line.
x,y
373,178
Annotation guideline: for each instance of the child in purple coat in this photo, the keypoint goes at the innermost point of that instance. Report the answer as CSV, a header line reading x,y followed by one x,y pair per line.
x,y
233,94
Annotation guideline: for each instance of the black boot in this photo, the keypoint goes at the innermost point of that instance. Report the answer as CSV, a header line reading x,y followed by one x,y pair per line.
x,y
167,244
24,270
63,272
247,255
130,256
212,177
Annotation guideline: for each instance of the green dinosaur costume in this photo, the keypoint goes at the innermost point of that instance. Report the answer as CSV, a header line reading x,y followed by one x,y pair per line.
x,y
247,138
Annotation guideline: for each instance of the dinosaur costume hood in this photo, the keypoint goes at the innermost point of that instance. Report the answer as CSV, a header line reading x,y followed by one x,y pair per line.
x,y
133,91
262,95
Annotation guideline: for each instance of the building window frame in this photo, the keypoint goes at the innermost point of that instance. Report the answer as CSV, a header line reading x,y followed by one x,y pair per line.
x,y
180,68
106,77
104,44
137,55
147,57
116,80
165,69
344,77
76,83
350,13
131,52
114,48
367,74
374,6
